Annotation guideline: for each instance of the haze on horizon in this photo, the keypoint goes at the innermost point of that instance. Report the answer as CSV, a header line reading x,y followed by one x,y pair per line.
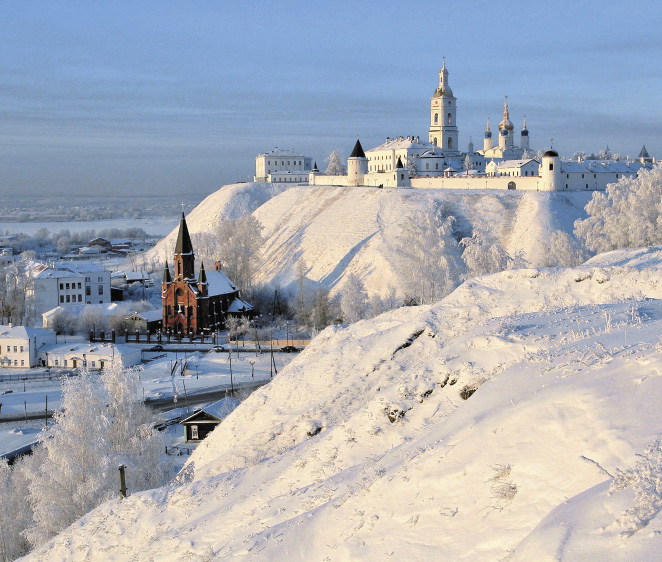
x,y
164,97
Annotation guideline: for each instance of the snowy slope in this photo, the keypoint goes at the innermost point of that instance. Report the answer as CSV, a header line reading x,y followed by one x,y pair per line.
x,y
230,202
338,230
365,447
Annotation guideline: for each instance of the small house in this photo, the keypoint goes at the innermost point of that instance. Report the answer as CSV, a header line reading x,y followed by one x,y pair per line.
x,y
203,422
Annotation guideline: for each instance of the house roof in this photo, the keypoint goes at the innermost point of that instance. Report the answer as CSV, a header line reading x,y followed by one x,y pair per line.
x,y
113,350
219,284
76,309
22,332
220,409
237,305
153,315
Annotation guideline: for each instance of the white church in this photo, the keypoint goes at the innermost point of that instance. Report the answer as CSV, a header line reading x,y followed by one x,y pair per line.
x,y
439,163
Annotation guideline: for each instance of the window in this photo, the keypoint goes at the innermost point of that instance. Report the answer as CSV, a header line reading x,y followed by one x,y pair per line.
x,y
551,166
80,298
22,363
436,118
449,119
79,286
15,349
566,186
61,298
586,186
65,362
94,363
582,176
194,432
8,349
450,143
101,289
567,176
21,349
88,291
61,286
616,176
595,176
68,298
15,363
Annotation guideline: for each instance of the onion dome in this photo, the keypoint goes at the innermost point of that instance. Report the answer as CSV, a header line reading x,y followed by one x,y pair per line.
x,y
506,123
488,133
443,89
524,132
551,154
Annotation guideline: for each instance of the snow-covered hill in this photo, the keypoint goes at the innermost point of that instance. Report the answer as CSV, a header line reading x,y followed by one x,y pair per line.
x,y
478,428
338,230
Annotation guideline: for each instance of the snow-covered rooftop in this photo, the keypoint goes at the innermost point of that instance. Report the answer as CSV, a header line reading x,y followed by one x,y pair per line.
x,y
399,143
219,284
22,332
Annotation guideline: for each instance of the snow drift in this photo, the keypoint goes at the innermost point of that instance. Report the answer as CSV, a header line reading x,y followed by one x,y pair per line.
x,y
480,428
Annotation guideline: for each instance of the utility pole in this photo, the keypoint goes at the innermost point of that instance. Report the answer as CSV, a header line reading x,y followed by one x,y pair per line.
x,y
122,479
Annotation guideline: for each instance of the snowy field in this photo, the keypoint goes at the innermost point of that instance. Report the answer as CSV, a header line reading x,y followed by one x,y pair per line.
x,y
205,372
489,426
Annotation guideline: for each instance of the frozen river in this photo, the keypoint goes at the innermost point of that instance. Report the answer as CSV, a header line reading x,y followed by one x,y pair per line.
x,y
157,226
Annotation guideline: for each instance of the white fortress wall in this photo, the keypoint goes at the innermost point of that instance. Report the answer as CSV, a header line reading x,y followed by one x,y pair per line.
x,y
522,183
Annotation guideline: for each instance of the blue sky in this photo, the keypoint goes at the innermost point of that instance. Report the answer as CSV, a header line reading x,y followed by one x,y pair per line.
x,y
148,97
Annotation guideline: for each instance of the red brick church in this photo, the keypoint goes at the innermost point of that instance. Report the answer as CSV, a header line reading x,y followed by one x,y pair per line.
x,y
195,306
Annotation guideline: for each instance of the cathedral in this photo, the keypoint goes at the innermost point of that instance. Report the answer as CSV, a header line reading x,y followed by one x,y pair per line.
x,y
191,305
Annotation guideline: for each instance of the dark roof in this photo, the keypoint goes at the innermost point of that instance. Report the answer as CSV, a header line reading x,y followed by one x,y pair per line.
x,y
358,150
552,153
183,245
644,152
399,164
202,278
166,273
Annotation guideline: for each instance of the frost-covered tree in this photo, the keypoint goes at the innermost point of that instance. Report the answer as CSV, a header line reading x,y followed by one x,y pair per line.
x,y
412,166
431,263
468,163
335,164
239,242
15,513
483,254
92,319
564,251
627,215
354,300
320,310
100,426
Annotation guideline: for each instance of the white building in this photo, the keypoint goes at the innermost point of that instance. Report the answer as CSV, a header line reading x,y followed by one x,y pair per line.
x,y
94,356
19,345
69,283
282,166
408,162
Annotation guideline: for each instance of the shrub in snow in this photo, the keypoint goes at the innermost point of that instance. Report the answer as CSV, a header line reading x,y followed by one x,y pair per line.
x,y
100,427
627,215
502,489
645,479
483,254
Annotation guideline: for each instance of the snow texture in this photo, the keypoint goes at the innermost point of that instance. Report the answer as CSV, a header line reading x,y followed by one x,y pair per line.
x,y
483,428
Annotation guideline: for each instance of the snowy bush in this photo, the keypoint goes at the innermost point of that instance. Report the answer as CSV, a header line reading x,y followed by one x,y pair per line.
x,y
563,251
627,215
483,254
645,479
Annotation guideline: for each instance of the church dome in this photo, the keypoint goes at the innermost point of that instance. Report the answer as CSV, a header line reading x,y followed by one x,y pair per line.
x,y
551,153
506,124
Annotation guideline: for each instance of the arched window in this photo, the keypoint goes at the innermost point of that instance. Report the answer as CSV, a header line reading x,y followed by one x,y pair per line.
x,y
435,141
436,118
450,142
449,119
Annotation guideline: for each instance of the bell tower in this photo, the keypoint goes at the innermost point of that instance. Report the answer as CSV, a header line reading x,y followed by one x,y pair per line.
x,y
443,126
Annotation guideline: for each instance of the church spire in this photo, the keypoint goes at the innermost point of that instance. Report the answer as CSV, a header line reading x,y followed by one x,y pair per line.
x,y
202,278
183,245
166,273
184,258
